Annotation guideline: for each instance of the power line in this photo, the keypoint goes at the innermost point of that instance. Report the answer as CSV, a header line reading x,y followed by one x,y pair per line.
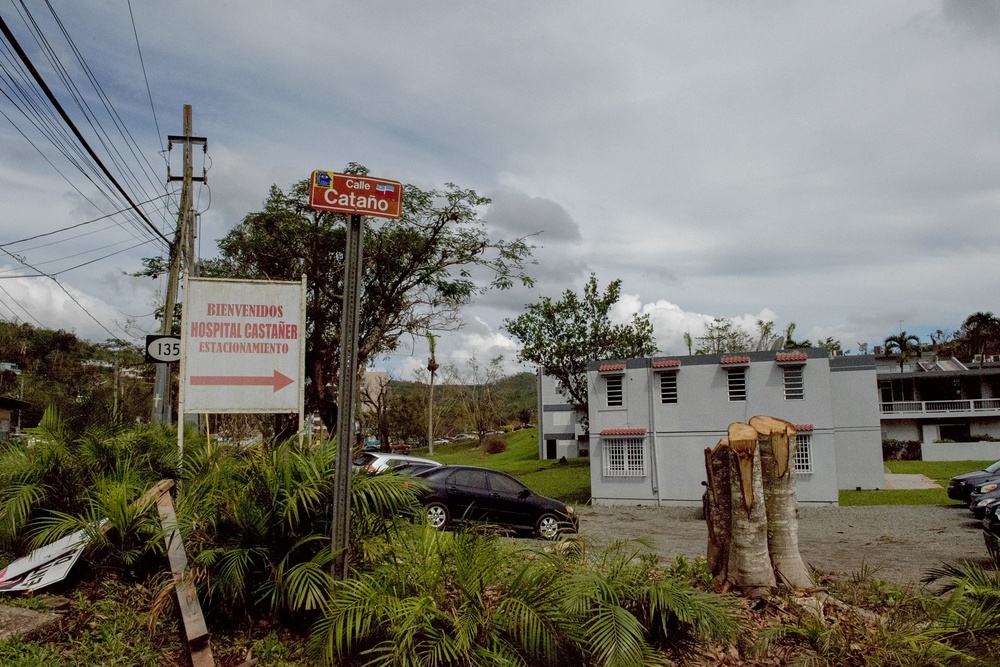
x,y
79,224
66,119
145,78
66,291
108,106
26,312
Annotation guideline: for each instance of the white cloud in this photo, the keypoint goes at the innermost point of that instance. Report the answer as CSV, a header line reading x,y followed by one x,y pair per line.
x,y
831,163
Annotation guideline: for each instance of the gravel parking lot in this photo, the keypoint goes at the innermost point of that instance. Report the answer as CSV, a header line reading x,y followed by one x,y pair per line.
x,y
901,541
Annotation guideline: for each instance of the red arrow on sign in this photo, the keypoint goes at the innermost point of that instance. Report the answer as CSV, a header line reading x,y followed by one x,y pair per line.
x,y
278,380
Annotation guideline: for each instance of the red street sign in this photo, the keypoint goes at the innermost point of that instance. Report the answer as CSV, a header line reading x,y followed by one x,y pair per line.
x,y
360,195
277,381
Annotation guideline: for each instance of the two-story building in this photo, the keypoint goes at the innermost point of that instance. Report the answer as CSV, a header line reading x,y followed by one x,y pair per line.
x,y
950,407
651,419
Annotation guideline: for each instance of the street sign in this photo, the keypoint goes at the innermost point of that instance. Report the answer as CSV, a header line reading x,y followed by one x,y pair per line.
x,y
163,349
243,343
359,195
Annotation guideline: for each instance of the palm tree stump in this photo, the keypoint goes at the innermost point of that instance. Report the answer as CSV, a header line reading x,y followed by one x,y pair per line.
x,y
751,509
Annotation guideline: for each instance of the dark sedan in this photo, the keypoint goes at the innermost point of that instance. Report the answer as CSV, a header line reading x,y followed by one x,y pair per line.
x,y
960,487
466,493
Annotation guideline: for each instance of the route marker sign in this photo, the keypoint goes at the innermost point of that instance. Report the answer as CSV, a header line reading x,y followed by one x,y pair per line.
x,y
243,346
358,195
162,349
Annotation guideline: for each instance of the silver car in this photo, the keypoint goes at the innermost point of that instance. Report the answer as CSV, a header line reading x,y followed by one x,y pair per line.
x,y
379,461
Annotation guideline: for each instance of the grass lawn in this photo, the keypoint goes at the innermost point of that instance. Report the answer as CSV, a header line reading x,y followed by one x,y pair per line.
x,y
939,471
569,481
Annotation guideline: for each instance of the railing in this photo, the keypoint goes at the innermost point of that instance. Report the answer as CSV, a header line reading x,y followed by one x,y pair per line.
x,y
939,407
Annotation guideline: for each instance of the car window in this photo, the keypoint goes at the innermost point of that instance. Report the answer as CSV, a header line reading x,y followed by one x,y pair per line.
x,y
475,479
504,484
993,467
363,460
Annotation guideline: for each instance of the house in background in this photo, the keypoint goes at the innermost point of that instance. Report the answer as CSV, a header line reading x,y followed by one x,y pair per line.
x,y
560,424
7,406
931,399
652,418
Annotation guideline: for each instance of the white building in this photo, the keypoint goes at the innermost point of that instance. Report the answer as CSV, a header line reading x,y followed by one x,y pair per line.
x,y
929,400
651,419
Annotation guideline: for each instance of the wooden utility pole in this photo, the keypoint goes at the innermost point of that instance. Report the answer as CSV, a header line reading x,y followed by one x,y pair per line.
x,y
181,252
432,366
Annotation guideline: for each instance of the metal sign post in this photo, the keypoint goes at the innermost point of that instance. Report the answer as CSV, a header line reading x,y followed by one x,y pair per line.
x,y
348,384
356,196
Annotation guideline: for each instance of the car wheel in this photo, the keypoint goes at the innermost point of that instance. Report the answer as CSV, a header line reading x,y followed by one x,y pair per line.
x,y
437,515
547,527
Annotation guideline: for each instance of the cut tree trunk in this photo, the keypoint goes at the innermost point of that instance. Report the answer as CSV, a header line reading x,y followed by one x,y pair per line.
x,y
717,508
751,509
749,565
777,451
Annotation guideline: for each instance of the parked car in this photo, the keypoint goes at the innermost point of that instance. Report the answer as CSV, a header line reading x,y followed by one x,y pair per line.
x,y
379,461
960,487
466,493
413,467
991,532
984,495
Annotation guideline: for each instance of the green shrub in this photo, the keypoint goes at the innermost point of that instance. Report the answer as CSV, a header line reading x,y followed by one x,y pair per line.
x,y
494,445
900,450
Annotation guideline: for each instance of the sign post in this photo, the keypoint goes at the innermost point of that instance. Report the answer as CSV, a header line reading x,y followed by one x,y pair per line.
x,y
356,196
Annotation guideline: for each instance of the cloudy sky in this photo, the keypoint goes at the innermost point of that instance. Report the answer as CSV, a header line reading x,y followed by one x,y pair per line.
x,y
836,165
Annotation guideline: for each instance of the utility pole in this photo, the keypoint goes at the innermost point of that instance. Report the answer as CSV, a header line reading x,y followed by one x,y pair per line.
x,y
181,252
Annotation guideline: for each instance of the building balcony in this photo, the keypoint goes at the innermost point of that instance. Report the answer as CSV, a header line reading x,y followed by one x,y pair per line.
x,y
973,407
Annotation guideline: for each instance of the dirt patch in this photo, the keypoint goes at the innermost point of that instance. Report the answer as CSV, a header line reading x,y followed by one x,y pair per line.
x,y
900,542
18,621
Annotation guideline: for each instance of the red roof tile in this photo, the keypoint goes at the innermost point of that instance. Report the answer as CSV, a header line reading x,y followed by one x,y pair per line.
x,y
611,367
791,356
624,431
667,363
803,427
735,360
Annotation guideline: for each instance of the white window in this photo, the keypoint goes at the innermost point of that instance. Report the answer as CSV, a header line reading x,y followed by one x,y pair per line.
x,y
793,383
614,391
737,384
803,453
668,387
624,457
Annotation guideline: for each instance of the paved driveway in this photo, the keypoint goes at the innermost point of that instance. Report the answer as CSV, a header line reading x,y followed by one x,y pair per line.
x,y
902,542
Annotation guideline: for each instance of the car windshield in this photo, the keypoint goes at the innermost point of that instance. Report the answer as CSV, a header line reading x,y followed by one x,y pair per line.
x,y
995,467
364,460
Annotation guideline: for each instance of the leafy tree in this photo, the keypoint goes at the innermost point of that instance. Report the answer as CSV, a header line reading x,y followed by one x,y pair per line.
x,y
564,336
830,345
376,395
943,342
478,392
792,344
724,336
417,275
979,335
903,343
87,383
